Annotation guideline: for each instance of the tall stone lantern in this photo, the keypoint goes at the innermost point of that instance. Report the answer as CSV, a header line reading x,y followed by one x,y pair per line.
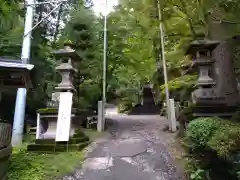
x,y
205,98
67,68
57,126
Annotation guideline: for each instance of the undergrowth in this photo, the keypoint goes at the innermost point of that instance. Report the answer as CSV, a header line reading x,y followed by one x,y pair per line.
x,y
39,166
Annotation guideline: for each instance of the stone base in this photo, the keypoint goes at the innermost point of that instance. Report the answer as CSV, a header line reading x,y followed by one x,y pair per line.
x,y
58,147
76,143
214,110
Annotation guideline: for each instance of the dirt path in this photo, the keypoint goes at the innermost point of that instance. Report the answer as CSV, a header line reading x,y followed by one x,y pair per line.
x,y
135,150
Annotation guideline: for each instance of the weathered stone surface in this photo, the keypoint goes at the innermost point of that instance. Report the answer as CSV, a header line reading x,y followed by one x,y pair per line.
x,y
225,76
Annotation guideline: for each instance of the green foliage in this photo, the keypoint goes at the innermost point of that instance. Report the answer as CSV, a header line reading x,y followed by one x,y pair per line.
x,y
83,31
226,140
214,145
221,136
200,131
125,106
197,175
47,110
195,171
38,166
181,86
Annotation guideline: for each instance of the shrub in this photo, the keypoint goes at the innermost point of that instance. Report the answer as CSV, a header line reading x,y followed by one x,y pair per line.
x,y
199,132
215,143
235,160
226,140
195,171
125,106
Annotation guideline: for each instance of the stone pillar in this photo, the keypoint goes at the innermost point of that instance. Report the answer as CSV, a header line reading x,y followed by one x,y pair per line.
x,y
225,76
224,69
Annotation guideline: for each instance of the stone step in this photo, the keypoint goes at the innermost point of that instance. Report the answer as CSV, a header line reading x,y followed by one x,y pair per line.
x,y
51,148
52,141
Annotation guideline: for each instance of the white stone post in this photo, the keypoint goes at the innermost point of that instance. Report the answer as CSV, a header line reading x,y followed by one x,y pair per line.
x,y
173,125
38,131
101,122
64,117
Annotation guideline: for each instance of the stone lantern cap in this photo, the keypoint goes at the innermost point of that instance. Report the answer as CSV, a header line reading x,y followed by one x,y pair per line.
x,y
66,67
67,51
202,61
201,45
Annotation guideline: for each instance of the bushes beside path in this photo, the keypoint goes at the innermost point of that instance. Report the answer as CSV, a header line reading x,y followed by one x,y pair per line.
x,y
213,145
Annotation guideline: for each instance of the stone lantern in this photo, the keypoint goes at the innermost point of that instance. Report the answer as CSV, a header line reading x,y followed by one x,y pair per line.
x,y
205,98
67,68
57,126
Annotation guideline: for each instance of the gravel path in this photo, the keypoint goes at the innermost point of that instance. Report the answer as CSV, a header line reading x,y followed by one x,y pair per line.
x,y
134,151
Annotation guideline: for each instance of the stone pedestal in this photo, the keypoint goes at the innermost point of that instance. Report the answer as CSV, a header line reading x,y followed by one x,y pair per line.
x,y
206,99
47,123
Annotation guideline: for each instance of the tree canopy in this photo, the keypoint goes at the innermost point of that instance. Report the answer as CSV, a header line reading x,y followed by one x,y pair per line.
x,y
134,45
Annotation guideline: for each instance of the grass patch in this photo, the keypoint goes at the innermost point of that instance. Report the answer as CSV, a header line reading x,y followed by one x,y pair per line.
x,y
93,134
40,166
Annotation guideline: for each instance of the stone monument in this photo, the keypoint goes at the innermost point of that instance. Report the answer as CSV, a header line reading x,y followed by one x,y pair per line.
x,y
59,123
205,98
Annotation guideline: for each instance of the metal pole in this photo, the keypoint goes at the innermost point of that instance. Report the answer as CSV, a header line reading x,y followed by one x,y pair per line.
x,y
18,124
164,63
104,64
